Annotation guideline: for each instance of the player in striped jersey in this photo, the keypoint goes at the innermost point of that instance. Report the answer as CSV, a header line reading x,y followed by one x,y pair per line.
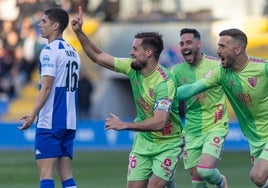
x,y
206,123
158,142
56,102
244,80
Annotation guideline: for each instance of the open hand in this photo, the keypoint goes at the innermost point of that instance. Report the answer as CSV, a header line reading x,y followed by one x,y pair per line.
x,y
27,122
114,122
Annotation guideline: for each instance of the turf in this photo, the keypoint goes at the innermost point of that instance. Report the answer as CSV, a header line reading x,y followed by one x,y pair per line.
x,y
98,169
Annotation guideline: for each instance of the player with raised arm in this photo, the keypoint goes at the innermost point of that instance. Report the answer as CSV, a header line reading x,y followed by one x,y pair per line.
x,y
158,142
244,80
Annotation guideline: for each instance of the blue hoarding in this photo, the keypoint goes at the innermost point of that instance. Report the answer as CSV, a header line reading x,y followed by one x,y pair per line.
x,y
91,135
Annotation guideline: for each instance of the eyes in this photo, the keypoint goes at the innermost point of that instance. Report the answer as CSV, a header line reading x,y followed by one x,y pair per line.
x,y
188,42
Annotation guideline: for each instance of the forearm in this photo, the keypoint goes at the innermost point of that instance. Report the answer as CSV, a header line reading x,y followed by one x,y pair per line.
x,y
189,90
96,54
156,123
88,46
40,101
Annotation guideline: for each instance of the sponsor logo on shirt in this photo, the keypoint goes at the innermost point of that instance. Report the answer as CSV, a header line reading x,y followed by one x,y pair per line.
x,y
244,98
167,129
46,61
151,92
143,104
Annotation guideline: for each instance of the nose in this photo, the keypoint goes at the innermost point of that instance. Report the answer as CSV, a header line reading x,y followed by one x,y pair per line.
x,y
39,24
218,50
131,52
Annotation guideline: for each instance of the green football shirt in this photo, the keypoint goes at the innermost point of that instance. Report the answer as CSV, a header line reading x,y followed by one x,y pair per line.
x,y
148,91
247,91
207,111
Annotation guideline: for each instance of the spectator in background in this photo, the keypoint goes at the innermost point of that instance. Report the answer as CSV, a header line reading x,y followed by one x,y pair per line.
x,y
31,48
11,42
85,89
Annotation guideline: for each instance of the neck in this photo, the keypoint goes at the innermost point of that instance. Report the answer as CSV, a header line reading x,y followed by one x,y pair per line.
x,y
241,63
149,68
53,37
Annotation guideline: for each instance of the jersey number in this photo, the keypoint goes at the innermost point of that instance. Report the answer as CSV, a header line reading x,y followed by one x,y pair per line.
x,y
72,76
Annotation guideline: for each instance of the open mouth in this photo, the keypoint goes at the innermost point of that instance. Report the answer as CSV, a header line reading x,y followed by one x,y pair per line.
x,y
221,58
187,55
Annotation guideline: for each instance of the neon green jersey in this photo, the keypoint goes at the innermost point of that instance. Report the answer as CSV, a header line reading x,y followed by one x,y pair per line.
x,y
247,92
207,111
148,92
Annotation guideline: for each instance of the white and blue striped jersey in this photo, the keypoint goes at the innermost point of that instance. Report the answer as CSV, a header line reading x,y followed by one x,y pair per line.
x,y
60,60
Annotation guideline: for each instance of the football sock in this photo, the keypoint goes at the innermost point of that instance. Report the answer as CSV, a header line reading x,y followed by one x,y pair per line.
x,y
47,183
211,175
199,184
69,183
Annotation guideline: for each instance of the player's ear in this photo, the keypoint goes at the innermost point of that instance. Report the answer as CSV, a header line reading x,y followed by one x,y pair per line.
x,y
238,49
56,26
149,52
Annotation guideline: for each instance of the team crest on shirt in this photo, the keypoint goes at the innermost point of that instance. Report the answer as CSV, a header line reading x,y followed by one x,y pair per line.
x,y
252,81
208,74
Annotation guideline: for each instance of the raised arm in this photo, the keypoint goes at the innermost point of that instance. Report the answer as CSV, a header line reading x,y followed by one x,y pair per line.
x,y
96,54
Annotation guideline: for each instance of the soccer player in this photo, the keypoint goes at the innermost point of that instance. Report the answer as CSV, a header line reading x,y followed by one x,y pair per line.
x,y
158,142
206,124
56,102
244,81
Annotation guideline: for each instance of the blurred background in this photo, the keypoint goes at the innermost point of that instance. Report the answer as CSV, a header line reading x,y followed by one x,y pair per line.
x,y
112,24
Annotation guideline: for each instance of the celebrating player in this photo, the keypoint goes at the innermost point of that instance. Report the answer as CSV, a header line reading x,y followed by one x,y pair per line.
x,y
157,145
244,81
206,117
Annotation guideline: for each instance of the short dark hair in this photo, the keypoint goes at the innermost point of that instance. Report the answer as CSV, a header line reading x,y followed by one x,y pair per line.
x,y
152,40
192,31
59,15
236,34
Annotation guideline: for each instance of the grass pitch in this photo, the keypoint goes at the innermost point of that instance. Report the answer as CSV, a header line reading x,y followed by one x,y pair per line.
x,y
99,169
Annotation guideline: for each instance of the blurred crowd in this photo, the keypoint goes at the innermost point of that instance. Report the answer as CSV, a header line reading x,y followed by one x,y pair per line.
x,y
20,42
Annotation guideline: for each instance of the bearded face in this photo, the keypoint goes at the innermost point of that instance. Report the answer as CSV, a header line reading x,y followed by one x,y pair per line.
x,y
138,65
139,55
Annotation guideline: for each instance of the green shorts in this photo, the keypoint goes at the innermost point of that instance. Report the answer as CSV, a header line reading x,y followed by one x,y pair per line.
x,y
210,143
258,150
160,159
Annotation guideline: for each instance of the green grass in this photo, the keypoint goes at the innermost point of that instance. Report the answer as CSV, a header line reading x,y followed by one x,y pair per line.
x,y
108,170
